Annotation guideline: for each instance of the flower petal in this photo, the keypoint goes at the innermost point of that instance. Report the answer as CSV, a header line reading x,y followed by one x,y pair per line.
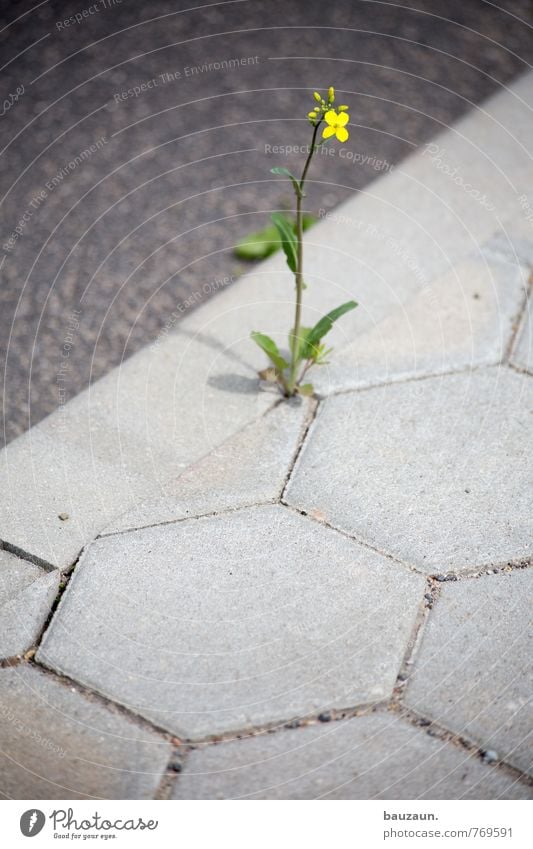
x,y
327,132
342,119
342,134
331,117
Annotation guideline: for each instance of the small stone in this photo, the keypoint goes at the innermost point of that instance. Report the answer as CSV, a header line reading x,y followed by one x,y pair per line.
x,y
63,516
175,763
403,676
490,756
440,578
451,577
424,722
324,717
294,723
428,597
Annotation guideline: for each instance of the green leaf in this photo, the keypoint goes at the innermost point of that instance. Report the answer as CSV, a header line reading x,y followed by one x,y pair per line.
x,y
288,239
284,172
258,245
324,326
271,350
306,389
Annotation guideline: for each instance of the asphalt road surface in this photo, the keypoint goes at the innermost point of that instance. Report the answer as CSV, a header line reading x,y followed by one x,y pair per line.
x,y
136,148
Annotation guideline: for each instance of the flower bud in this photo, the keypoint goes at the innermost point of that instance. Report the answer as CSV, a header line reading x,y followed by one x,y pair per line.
x,y
342,108
311,114
331,94
317,96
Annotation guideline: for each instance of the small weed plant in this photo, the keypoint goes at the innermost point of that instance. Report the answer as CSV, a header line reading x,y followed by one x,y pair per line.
x,y
306,345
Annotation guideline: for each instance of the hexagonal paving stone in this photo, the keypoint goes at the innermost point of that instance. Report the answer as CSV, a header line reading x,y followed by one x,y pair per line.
x,y
216,624
435,471
56,743
370,757
27,593
473,671
463,319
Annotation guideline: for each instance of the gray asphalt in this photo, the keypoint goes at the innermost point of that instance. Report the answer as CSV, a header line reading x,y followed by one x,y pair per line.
x,y
126,202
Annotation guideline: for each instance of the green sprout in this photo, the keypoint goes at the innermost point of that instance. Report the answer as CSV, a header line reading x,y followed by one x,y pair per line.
x,y
306,347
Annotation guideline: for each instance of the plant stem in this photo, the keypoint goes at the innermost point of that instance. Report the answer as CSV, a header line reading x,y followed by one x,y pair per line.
x,y
295,342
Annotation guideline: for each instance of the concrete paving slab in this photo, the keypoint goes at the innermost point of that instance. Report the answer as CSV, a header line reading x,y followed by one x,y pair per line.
x,y
514,238
57,497
163,409
461,320
522,354
249,468
382,246
215,624
27,593
119,442
369,757
57,744
155,415
435,471
473,671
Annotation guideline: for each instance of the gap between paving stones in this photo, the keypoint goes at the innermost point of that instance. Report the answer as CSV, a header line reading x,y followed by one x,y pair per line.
x,y
181,749
26,555
424,609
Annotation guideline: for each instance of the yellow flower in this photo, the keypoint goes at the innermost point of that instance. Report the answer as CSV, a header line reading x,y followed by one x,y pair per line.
x,y
336,125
